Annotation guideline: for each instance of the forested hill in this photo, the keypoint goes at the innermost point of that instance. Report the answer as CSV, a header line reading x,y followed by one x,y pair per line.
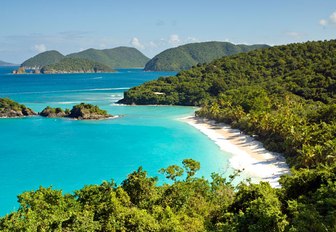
x,y
75,65
120,57
286,95
43,59
186,56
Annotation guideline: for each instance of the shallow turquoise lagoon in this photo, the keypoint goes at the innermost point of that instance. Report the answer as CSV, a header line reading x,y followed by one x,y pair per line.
x,y
68,154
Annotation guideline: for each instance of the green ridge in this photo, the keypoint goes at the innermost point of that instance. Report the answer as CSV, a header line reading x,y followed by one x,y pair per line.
x,y
120,57
43,59
285,95
186,56
75,65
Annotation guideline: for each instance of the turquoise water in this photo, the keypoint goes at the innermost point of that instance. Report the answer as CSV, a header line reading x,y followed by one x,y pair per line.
x,y
68,154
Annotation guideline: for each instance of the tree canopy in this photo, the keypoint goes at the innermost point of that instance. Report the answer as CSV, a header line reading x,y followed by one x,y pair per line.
x,y
306,202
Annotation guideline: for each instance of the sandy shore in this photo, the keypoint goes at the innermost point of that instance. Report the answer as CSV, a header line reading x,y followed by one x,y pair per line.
x,y
247,153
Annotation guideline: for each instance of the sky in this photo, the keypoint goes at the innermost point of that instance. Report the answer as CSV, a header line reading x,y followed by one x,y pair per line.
x,y
28,27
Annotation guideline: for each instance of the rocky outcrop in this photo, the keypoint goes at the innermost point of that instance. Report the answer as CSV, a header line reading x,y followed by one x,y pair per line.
x,y
88,111
50,112
12,109
81,112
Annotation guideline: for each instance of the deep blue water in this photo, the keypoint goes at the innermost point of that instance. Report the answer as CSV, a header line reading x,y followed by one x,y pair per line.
x,y
68,154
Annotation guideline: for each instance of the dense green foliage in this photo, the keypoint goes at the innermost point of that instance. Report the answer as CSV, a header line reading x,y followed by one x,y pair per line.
x,y
43,59
306,202
10,108
186,56
120,57
75,65
286,95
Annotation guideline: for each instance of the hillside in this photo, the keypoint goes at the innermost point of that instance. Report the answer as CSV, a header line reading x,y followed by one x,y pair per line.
x,y
75,65
186,56
286,95
120,57
43,59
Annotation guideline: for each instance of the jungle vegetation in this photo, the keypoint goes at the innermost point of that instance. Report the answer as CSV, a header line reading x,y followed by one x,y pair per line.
x,y
185,56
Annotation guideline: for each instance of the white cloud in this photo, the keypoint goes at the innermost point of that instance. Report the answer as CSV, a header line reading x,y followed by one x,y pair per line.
x,y
153,44
294,34
323,22
333,17
331,20
40,48
135,42
174,40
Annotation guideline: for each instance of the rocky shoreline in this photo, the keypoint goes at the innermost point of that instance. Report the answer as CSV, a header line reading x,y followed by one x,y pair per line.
x,y
82,111
12,109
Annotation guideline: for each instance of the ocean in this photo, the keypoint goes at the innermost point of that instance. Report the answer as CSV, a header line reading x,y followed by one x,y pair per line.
x,y
68,154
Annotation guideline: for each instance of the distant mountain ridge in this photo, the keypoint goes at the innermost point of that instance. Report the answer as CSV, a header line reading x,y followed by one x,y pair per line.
x,y
3,63
188,55
119,57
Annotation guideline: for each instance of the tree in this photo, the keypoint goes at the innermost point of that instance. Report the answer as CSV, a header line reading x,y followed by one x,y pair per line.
x,y
191,166
172,172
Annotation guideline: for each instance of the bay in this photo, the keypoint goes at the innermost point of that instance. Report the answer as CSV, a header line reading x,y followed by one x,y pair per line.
x,y
68,154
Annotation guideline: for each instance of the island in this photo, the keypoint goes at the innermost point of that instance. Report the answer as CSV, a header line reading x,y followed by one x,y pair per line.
x,y
81,111
12,109
76,65
87,61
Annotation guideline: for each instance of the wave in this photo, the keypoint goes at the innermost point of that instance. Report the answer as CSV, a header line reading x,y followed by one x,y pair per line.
x,y
66,103
71,90
96,78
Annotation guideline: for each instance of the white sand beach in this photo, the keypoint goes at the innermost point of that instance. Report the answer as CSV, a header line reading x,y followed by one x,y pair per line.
x,y
248,154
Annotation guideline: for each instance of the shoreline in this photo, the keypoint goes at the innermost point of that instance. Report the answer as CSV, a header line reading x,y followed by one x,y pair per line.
x,y
247,154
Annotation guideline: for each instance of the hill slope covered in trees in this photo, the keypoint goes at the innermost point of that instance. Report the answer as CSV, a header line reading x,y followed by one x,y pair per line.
x,y
186,56
286,95
120,57
43,59
75,65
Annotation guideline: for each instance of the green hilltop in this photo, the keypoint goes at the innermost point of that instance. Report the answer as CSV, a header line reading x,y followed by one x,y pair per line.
x,y
75,65
186,56
43,59
120,57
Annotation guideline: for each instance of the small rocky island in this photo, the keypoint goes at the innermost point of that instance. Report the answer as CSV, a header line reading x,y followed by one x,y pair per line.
x,y
81,111
12,109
